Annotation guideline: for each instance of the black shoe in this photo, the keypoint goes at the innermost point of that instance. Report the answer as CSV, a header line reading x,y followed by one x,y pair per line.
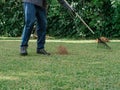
x,y
42,51
23,51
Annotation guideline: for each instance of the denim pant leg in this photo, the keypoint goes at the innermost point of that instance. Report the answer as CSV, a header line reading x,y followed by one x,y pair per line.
x,y
29,12
41,27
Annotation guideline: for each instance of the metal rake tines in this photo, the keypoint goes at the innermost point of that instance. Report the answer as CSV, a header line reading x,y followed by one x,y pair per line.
x,y
103,44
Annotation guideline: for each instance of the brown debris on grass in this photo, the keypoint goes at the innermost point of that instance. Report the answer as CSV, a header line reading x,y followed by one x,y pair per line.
x,y
104,39
62,50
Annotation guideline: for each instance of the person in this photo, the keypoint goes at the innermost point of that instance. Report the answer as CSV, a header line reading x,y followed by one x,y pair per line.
x,y
35,10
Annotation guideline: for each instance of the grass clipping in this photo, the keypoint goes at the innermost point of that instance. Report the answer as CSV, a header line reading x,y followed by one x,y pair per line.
x,y
62,50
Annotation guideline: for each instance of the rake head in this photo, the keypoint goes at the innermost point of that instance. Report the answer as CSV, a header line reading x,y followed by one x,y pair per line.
x,y
102,43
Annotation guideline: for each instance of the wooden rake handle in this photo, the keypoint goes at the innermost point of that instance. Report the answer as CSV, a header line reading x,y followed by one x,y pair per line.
x,y
84,23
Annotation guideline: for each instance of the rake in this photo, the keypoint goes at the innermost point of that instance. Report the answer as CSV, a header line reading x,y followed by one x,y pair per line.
x,y
100,41
67,5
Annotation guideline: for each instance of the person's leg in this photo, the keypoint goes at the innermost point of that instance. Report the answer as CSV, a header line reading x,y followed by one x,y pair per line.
x,y
41,27
29,12
41,30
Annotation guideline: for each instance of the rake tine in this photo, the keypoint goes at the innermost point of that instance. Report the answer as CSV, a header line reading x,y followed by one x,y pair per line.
x,y
103,43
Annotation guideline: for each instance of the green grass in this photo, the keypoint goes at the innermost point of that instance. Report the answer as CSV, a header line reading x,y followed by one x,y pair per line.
x,y
84,68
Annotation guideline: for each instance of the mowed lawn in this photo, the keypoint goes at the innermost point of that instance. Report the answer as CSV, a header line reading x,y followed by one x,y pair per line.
x,y
86,67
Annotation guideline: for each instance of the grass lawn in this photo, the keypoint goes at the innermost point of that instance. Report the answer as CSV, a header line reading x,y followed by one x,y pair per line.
x,y
86,67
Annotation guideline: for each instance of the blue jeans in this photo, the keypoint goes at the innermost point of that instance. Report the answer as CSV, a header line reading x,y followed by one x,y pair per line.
x,y
34,13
